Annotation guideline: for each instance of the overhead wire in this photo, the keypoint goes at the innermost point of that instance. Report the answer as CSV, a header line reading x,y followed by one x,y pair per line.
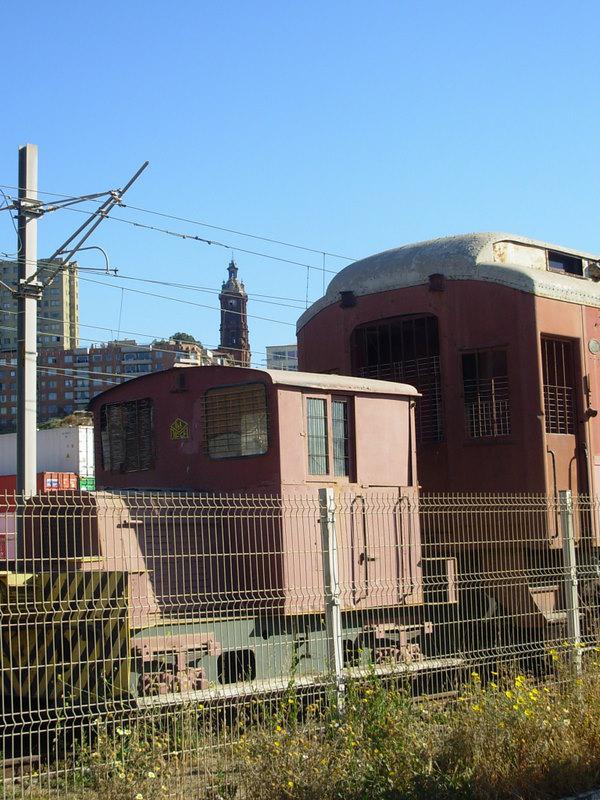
x,y
186,302
12,219
255,297
75,371
202,224
193,237
206,241
202,240
154,338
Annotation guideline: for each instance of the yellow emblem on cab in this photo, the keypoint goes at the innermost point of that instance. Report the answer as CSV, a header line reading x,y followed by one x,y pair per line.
x,y
179,429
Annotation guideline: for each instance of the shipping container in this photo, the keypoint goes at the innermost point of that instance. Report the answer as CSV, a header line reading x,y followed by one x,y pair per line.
x,y
46,482
58,450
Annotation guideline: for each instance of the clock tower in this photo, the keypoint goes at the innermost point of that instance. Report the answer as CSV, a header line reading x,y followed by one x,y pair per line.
x,y
234,321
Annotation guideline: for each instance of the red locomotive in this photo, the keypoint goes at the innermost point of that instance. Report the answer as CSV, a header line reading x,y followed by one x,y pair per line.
x,y
208,505
501,335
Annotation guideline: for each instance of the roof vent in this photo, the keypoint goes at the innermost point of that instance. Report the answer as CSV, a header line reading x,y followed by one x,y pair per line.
x,y
437,282
347,299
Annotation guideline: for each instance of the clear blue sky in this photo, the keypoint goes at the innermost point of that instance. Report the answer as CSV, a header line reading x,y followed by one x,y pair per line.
x,y
348,127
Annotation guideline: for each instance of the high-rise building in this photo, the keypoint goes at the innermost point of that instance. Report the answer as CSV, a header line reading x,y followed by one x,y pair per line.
x,y
58,308
234,319
282,356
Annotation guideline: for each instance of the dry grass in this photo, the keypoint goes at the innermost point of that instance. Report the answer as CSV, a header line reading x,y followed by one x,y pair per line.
x,y
512,738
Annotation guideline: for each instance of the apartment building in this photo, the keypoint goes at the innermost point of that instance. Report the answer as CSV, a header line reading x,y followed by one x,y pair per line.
x,y
69,378
58,309
282,356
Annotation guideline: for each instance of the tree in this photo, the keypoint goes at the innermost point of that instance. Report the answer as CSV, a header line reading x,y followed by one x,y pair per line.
x,y
70,421
182,336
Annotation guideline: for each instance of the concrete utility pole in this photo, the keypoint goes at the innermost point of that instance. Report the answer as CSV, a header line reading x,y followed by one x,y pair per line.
x,y
27,293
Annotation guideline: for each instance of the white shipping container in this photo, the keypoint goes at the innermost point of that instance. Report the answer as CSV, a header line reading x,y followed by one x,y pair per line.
x,y
58,450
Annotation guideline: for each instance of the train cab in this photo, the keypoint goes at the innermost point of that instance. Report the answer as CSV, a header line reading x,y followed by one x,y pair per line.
x,y
208,520
500,334
229,429
219,468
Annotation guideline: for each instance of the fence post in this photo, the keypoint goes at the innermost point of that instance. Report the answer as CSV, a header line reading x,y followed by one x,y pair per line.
x,y
331,592
571,583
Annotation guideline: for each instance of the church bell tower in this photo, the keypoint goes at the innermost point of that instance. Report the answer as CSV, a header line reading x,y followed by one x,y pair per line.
x,y
234,320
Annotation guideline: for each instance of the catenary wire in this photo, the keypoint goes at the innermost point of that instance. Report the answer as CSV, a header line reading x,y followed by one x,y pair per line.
x,y
14,224
74,371
193,237
153,337
187,302
255,297
183,301
209,225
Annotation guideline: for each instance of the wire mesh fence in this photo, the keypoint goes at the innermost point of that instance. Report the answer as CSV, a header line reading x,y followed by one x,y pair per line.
x,y
165,624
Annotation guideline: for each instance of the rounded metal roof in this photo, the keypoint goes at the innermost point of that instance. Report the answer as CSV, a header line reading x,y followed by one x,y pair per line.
x,y
471,256
315,381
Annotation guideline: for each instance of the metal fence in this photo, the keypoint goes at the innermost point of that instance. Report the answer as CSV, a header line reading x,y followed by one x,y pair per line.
x,y
181,618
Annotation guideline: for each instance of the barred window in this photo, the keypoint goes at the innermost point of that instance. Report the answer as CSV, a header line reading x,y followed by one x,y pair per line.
x,y
127,435
340,437
559,385
236,421
486,394
405,349
318,446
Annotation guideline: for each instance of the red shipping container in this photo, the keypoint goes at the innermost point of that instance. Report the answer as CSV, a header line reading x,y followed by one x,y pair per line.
x,y
46,482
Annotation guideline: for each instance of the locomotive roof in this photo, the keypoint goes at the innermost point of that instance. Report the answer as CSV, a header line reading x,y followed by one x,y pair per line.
x,y
305,380
502,258
338,383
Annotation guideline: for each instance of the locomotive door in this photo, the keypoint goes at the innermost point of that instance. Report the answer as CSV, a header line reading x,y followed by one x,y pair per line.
x,y
561,380
383,551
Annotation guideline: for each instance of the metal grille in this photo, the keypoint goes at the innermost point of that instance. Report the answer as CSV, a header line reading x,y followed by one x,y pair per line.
x,y
406,349
486,393
559,385
340,437
143,635
318,440
127,435
236,421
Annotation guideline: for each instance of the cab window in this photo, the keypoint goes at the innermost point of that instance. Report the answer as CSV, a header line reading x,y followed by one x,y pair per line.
x,y
127,435
236,421
328,436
